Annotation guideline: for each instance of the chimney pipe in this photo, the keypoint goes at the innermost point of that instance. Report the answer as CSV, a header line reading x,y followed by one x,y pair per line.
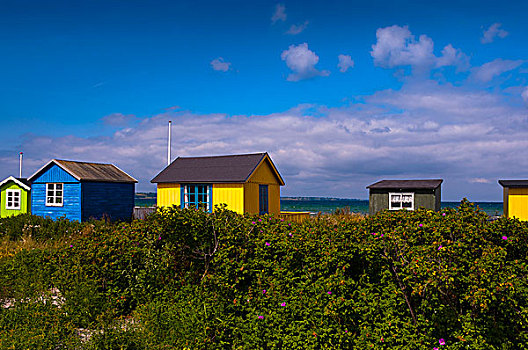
x,y
20,165
169,145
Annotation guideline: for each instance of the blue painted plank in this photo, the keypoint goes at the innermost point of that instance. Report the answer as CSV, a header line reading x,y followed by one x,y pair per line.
x,y
54,174
71,208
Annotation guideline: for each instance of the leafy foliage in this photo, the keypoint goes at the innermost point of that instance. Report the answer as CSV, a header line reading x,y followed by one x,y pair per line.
x,y
188,279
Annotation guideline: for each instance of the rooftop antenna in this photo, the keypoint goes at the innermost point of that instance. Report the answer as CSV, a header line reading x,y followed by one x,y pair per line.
x,y
20,165
169,145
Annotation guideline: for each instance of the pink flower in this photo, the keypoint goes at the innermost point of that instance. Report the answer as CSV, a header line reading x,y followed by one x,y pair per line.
x,y
268,244
440,247
283,304
443,214
505,238
264,291
435,348
420,225
71,246
328,293
159,237
260,220
260,317
441,341
253,222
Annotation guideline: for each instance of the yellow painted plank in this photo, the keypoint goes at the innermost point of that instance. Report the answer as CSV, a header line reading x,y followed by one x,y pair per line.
x,y
264,175
274,199
230,194
518,203
168,194
251,198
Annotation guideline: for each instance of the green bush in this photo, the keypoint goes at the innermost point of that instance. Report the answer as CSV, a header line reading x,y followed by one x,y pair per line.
x,y
189,279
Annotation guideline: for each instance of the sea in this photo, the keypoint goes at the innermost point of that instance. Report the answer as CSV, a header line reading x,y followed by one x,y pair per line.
x,y
329,205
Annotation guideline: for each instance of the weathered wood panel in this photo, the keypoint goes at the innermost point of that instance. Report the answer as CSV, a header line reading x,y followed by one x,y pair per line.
x,y
71,207
107,199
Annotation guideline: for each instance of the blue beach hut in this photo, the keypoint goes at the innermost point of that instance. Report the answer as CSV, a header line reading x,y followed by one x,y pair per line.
x,y
81,191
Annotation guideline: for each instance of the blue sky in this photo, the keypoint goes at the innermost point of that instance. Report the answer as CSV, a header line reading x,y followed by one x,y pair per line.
x,y
341,93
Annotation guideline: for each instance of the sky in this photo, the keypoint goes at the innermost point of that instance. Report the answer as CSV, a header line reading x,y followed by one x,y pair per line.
x,y
341,94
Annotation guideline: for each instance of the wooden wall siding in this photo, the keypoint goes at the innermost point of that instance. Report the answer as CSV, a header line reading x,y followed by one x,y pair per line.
x,y
518,203
71,207
274,199
428,199
264,175
230,194
24,200
54,174
168,195
107,199
251,198
505,203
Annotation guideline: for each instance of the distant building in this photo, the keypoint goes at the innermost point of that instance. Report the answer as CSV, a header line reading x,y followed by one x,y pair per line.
x,y
515,198
404,194
15,197
247,183
81,191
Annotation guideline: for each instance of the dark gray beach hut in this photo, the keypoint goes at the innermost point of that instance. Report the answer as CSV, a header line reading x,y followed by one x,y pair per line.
x,y
404,194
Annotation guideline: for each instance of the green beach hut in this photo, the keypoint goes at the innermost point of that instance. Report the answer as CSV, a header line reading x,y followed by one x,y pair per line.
x,y
15,197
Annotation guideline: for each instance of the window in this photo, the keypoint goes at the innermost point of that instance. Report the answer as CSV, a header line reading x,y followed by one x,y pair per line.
x,y
54,195
197,196
13,199
399,201
263,199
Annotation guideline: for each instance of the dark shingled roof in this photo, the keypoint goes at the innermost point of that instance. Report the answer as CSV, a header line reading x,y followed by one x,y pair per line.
x,y
513,183
24,181
94,172
406,184
213,169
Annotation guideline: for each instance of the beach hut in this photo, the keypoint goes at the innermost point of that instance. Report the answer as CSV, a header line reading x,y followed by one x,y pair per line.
x,y
515,198
404,194
15,197
246,183
81,191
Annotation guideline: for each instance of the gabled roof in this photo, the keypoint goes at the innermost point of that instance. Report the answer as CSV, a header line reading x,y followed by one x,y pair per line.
x,y
406,184
24,183
513,183
84,171
215,169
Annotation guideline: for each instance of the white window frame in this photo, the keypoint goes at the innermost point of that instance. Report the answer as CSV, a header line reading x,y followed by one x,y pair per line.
x,y
16,196
53,187
401,194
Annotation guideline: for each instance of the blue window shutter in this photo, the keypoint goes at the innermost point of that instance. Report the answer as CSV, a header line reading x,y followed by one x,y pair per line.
x,y
210,197
182,197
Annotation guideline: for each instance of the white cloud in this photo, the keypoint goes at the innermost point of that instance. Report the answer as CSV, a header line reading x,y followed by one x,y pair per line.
x,y
345,62
219,64
279,14
421,131
302,61
524,95
488,35
490,70
297,29
118,119
397,46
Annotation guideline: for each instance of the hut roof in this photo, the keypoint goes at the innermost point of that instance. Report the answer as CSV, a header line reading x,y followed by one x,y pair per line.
x,y
24,183
513,183
406,184
214,169
93,172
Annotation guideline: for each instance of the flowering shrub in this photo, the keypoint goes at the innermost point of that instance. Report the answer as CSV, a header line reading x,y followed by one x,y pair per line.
x,y
189,279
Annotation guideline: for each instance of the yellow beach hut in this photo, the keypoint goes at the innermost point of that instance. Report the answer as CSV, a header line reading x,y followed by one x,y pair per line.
x,y
515,198
246,183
